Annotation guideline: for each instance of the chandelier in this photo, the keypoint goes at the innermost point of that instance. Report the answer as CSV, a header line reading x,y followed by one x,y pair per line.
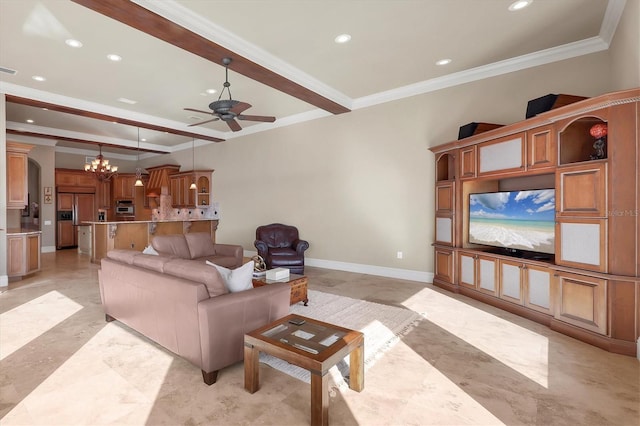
x,y
101,167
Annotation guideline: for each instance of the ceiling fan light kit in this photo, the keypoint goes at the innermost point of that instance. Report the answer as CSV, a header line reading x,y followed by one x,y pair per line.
x,y
229,110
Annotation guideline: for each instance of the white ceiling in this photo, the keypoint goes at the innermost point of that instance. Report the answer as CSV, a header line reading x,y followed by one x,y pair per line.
x,y
392,54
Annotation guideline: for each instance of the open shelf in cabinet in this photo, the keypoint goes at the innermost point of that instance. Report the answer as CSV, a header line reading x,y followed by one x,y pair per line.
x,y
576,143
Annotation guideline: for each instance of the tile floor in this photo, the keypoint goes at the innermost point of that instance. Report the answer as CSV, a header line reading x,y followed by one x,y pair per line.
x,y
466,363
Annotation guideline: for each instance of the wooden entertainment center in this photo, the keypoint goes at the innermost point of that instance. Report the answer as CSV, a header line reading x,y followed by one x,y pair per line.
x,y
590,289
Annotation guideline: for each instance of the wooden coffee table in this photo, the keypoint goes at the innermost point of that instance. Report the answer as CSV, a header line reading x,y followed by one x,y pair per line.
x,y
316,346
298,285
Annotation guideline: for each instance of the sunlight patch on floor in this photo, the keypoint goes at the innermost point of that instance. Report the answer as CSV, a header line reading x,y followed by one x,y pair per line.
x,y
426,393
26,322
120,377
521,349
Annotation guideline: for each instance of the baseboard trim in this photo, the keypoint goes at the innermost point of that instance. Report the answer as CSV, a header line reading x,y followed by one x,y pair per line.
x,y
48,249
381,271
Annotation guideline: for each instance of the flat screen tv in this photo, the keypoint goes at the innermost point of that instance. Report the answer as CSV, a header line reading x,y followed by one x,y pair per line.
x,y
515,220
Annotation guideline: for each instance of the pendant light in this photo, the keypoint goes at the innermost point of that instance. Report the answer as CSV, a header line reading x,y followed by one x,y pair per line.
x,y
138,169
193,163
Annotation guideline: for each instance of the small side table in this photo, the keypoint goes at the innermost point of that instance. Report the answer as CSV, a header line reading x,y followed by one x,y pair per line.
x,y
298,285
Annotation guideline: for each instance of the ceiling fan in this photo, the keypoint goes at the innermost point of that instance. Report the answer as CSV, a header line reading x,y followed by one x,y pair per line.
x,y
229,110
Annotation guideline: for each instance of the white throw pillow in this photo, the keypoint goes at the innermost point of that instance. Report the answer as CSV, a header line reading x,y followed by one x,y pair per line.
x,y
238,279
150,250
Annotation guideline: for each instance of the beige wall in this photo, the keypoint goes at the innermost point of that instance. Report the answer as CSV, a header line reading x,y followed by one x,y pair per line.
x,y
625,49
45,156
360,185
4,279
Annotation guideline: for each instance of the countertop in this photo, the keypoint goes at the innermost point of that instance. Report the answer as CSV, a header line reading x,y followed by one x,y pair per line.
x,y
120,222
22,231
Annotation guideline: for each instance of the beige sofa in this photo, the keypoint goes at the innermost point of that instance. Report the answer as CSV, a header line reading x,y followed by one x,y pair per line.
x,y
198,246
184,306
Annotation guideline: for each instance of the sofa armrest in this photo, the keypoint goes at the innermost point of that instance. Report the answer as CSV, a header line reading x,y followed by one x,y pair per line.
x,y
229,250
224,320
262,247
300,246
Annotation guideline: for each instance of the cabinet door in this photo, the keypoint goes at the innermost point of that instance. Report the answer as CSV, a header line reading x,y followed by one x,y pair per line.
x,y
66,234
502,155
511,281
33,253
444,230
487,275
582,190
17,181
175,189
468,162
444,270
467,270
582,301
85,208
103,195
65,201
542,151
65,178
582,243
445,198
15,255
538,289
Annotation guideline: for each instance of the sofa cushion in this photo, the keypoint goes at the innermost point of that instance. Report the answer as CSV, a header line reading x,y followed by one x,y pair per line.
x,y
152,261
172,244
239,279
200,244
123,255
282,252
198,272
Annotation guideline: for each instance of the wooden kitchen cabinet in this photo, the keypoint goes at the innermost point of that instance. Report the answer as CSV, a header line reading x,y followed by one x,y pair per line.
x,y
124,187
17,175
183,196
23,254
66,236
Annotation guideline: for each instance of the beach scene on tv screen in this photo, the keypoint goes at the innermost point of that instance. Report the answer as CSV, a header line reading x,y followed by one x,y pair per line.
x,y
521,220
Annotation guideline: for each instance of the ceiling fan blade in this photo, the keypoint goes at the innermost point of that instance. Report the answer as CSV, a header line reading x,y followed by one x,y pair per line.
x,y
203,122
200,111
239,107
233,125
263,118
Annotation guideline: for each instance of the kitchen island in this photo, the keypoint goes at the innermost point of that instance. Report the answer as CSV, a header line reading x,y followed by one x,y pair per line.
x,y
137,234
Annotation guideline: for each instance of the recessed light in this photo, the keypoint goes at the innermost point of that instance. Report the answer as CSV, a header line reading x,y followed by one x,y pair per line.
x,y
342,38
113,57
29,121
73,43
143,140
519,5
443,61
211,91
38,78
127,101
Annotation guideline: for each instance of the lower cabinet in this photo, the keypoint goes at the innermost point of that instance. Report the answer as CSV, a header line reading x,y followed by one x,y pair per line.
x,y
582,301
23,254
444,266
479,272
66,236
526,284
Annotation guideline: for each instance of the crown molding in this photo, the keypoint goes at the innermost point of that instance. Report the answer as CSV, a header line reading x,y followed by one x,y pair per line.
x,y
611,19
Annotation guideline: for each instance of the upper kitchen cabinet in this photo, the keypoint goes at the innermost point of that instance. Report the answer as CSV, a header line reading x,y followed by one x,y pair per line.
x,y
17,175
124,187
74,178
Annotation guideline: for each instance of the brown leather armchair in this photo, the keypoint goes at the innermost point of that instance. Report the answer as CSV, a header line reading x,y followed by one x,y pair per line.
x,y
280,246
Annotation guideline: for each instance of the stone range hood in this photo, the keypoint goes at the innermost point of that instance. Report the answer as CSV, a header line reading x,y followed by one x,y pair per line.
x,y
159,179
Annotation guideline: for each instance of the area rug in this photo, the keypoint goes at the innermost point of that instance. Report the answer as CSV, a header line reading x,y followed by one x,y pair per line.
x,y
383,326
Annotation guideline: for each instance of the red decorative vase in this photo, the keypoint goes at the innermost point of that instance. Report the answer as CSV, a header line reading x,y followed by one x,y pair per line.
x,y
598,130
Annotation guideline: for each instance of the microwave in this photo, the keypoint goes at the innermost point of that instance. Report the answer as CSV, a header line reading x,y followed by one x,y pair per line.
x,y
124,207
124,210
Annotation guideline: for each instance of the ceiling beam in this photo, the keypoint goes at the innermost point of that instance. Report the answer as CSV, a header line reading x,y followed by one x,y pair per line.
x,y
157,26
89,114
83,141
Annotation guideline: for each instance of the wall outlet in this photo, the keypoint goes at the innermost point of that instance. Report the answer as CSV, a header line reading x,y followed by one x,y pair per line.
x,y
399,255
